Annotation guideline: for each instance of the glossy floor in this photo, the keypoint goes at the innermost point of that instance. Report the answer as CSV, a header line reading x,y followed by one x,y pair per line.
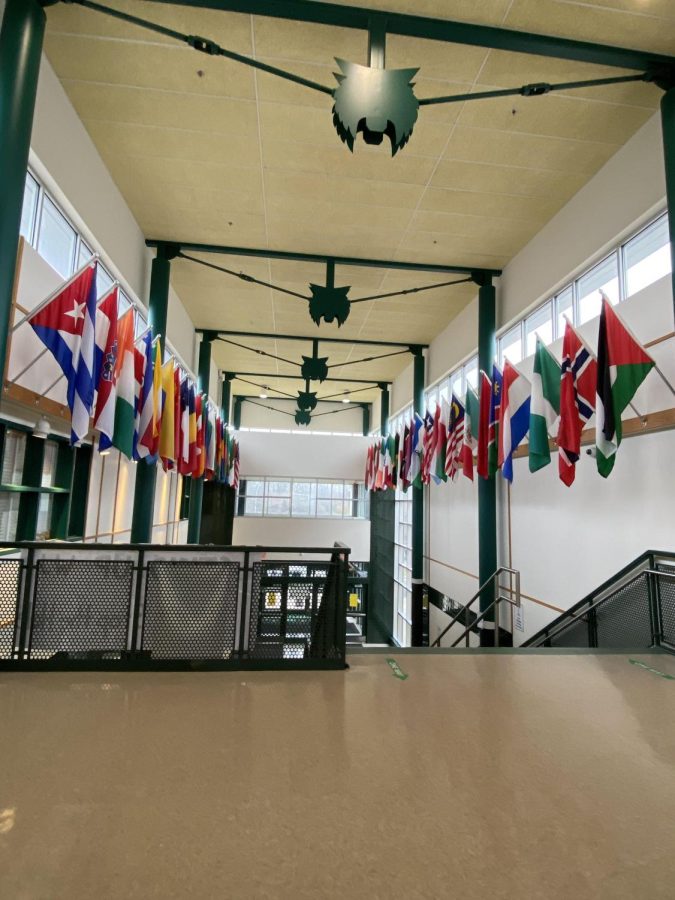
x,y
510,776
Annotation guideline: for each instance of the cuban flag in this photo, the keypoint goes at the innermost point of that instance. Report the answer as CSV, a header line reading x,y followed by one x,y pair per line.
x,y
514,420
67,327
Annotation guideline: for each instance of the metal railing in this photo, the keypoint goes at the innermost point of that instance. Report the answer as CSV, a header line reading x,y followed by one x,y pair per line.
x,y
633,609
68,605
463,613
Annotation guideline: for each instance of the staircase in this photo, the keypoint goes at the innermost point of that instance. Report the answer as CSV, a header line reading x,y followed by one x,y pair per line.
x,y
633,609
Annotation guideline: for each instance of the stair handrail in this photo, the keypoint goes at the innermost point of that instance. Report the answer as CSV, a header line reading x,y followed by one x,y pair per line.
x,y
494,579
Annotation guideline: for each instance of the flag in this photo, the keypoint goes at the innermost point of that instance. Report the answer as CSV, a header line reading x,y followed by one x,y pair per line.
x,y
545,405
470,442
167,426
105,359
578,380
184,418
428,437
395,441
495,416
191,429
200,411
404,453
369,468
66,326
125,382
143,436
514,418
235,466
623,364
177,436
441,442
210,462
415,468
158,397
455,438
484,425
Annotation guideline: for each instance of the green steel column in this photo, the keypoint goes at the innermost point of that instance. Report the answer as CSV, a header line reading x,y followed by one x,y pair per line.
x,y
668,128
197,486
226,398
146,473
487,488
236,416
366,418
384,409
417,627
21,36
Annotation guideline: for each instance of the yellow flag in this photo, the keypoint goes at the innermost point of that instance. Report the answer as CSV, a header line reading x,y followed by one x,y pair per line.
x,y
166,434
157,407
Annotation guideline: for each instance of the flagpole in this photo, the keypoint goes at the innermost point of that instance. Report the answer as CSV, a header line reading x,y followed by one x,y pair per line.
x,y
665,380
61,287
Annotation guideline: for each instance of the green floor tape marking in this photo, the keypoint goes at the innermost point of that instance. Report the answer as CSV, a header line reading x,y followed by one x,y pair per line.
x,y
396,669
636,662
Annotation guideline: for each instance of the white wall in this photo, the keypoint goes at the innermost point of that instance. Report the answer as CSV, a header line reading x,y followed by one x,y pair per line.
x,y
306,455
566,541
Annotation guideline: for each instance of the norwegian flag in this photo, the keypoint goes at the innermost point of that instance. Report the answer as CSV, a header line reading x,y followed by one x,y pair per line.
x,y
66,326
578,382
455,439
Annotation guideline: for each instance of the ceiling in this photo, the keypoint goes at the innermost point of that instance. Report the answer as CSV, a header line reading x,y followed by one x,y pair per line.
x,y
207,150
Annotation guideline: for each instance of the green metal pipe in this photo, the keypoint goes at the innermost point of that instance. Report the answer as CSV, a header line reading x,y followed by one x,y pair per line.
x,y
384,408
146,473
197,486
668,128
323,260
410,25
417,617
487,488
21,37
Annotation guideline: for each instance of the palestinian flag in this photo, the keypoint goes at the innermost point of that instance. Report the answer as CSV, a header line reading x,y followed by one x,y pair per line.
x,y
544,406
623,364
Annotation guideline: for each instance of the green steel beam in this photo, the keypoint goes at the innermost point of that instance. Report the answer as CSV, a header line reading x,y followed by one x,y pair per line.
x,y
226,399
384,406
236,418
487,487
300,378
347,16
21,37
307,337
146,473
297,256
417,600
366,418
197,486
668,128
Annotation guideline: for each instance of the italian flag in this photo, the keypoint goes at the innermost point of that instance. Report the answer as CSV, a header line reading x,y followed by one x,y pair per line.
x,y
623,364
544,406
125,379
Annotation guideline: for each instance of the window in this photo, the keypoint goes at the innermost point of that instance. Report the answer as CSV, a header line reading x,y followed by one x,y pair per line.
x,y
511,345
564,308
403,567
457,383
540,323
603,278
29,210
57,239
646,257
302,498
471,373
13,456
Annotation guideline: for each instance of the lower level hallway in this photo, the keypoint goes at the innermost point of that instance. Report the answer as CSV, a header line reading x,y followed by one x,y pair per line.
x,y
491,774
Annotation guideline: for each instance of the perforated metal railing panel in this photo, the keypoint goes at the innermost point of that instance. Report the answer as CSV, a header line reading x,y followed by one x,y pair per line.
x,y
624,619
575,635
10,583
293,611
190,609
80,605
665,587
